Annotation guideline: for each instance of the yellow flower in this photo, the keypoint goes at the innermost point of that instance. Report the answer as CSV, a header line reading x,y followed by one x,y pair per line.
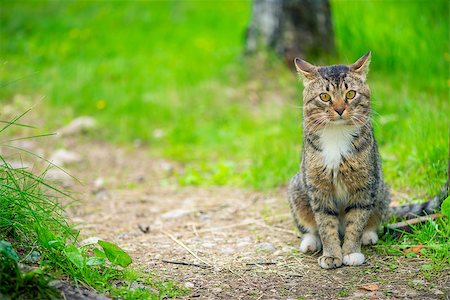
x,y
101,104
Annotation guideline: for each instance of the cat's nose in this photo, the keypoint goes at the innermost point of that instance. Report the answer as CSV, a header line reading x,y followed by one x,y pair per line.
x,y
339,110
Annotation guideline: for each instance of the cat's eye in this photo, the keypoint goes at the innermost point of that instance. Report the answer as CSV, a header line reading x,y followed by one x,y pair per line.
x,y
350,95
325,97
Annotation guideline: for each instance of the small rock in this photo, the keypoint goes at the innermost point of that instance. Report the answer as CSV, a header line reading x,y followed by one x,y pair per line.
x,y
58,175
18,164
79,125
265,247
102,194
437,292
189,285
63,157
91,240
99,182
243,242
175,214
34,257
227,250
208,245
24,144
144,228
166,166
136,285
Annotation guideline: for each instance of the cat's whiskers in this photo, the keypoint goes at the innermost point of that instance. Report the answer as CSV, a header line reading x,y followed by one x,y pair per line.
x,y
314,115
366,117
361,122
318,122
295,106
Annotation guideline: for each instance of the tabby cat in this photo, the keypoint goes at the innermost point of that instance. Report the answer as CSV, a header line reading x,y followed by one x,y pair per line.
x,y
339,198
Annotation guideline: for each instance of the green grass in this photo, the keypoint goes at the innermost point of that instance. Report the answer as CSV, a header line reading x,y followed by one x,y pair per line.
x,y
32,220
433,235
172,74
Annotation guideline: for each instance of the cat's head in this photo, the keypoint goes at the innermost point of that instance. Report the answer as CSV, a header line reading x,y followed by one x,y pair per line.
x,y
335,95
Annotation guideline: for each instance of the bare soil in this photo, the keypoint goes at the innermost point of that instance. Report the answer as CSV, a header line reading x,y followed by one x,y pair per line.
x,y
222,243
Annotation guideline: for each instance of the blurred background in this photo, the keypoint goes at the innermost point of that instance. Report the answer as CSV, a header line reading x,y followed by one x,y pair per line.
x,y
205,84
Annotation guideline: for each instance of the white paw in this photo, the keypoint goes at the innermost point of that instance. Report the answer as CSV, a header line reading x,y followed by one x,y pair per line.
x,y
369,238
310,242
354,259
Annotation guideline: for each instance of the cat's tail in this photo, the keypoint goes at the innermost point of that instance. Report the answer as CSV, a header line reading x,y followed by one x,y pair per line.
x,y
420,209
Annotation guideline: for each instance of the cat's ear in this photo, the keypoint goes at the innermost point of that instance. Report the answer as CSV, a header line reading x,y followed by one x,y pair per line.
x,y
305,69
361,66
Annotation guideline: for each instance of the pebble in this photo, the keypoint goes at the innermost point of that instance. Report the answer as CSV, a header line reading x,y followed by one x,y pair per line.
x,y
177,213
99,182
24,144
58,175
102,194
243,242
34,257
265,247
78,125
189,285
90,240
18,164
208,245
63,157
136,285
227,250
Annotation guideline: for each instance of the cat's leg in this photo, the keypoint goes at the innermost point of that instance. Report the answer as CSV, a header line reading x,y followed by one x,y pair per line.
x,y
370,235
379,214
326,217
303,216
356,218
328,224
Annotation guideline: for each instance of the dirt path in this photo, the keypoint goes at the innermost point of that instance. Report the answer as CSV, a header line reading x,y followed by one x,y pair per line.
x,y
243,244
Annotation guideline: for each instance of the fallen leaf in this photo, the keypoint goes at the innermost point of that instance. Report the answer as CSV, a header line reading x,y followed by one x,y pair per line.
x,y
369,287
414,249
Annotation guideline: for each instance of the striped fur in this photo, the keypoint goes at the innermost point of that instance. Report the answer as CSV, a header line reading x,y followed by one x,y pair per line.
x,y
420,209
338,198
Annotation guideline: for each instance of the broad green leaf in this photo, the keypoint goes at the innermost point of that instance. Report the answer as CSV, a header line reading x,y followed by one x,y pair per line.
x,y
46,237
115,254
95,261
99,253
445,207
7,250
74,255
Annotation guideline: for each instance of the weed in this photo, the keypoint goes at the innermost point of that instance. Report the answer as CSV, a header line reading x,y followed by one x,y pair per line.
x,y
343,293
32,219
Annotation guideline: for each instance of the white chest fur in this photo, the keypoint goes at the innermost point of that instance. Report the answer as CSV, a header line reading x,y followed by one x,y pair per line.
x,y
336,141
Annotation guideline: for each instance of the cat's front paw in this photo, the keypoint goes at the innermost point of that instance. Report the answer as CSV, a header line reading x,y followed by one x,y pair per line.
x,y
354,259
330,262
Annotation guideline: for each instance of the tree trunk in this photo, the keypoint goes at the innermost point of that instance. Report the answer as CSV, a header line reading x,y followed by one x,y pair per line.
x,y
291,28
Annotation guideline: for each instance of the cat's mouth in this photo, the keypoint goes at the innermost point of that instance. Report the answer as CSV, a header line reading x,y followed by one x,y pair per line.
x,y
341,121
